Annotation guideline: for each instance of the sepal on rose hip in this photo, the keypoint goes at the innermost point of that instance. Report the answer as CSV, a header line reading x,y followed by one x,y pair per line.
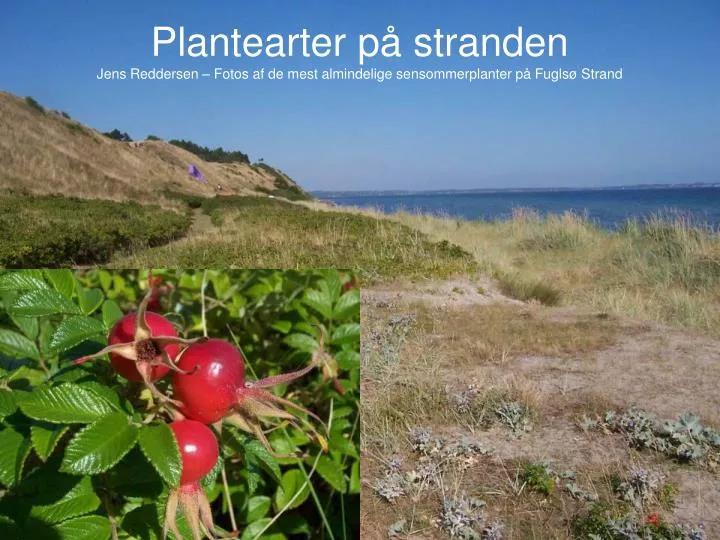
x,y
195,507
143,346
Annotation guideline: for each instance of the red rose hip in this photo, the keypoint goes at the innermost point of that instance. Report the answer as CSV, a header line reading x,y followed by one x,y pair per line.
x,y
198,449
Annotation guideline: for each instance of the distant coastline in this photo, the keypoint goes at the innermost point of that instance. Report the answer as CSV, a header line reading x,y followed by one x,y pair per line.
x,y
360,193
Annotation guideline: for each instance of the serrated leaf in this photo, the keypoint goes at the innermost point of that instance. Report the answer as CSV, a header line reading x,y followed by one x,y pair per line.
x,y
111,313
14,449
85,528
75,330
320,301
330,471
302,342
45,438
62,280
7,402
79,500
22,280
160,447
16,345
89,299
346,333
348,305
42,302
65,404
208,481
99,446
28,325
256,453
292,491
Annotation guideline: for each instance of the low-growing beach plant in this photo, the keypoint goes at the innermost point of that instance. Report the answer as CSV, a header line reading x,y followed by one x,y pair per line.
x,y
684,439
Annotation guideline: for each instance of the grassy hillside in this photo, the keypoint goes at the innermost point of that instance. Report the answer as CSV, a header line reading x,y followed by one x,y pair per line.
x,y
260,232
47,152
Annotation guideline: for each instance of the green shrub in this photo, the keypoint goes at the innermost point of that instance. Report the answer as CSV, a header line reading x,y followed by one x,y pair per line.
x,y
88,454
538,477
284,186
34,104
51,231
118,135
153,138
217,154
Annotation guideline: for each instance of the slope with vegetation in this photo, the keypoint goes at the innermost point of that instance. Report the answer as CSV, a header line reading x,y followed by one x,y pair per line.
x,y
47,152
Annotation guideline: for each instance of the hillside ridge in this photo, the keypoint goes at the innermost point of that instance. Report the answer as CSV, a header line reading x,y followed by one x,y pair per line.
x,y
46,152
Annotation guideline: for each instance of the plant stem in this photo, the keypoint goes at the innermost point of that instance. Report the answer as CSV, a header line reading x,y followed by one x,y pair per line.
x,y
202,304
229,500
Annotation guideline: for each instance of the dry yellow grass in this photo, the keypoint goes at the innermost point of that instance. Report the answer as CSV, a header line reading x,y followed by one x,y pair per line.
x,y
47,153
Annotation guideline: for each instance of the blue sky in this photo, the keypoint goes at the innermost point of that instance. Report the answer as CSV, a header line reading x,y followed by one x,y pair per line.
x,y
661,123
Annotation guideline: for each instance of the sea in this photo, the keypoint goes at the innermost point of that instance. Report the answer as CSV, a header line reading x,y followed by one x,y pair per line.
x,y
607,207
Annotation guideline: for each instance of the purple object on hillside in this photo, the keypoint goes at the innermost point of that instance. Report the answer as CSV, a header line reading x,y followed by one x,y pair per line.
x,y
195,173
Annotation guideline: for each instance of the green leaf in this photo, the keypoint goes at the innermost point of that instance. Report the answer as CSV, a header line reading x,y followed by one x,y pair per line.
x,y
302,342
282,326
16,345
330,471
293,524
99,446
257,508
22,280
346,333
292,488
355,478
45,438
38,303
252,531
209,480
347,306
63,281
319,301
65,404
79,500
348,359
7,402
84,528
160,447
28,325
89,299
111,313
75,330
14,450
256,453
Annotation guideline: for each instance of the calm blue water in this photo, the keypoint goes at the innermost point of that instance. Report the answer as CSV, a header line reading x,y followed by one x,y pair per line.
x,y
609,208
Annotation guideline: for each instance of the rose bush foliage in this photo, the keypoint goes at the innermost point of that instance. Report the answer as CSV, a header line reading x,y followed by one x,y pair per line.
x,y
87,454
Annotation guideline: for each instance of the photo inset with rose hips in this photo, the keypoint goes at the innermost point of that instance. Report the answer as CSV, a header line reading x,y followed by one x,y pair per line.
x,y
149,404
